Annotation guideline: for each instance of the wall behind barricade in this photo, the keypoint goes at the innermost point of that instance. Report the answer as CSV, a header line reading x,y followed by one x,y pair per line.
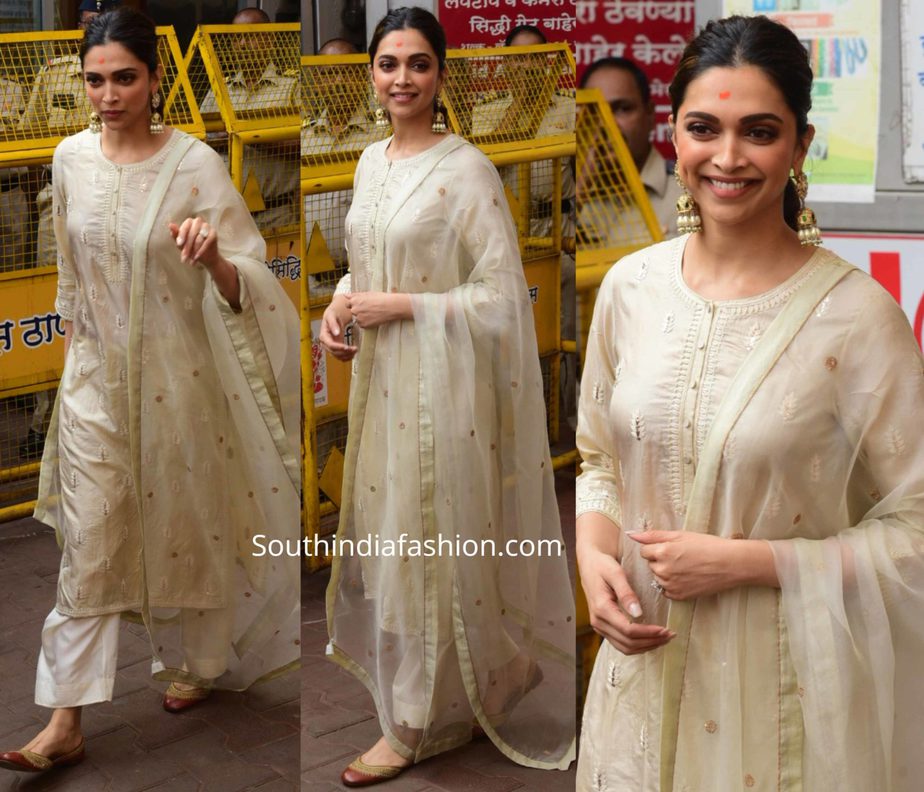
x,y
517,105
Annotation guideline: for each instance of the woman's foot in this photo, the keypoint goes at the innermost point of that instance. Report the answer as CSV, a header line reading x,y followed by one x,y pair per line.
x,y
180,696
380,763
55,745
54,740
509,685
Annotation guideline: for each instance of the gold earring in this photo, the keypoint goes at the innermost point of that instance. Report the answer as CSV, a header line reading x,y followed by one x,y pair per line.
x,y
382,120
157,120
688,217
439,118
95,124
806,224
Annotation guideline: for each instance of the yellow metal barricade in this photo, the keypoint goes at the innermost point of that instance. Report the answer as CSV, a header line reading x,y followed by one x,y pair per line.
x,y
491,98
614,218
246,83
42,100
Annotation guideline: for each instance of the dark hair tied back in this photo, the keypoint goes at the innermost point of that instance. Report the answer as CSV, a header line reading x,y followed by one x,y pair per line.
x,y
125,26
752,41
415,19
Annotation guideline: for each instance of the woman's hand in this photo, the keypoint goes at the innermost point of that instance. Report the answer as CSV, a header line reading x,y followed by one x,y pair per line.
x,y
198,243
371,309
335,319
689,565
613,605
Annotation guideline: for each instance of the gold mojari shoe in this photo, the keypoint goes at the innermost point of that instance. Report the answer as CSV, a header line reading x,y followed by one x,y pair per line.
x,y
360,774
31,762
177,700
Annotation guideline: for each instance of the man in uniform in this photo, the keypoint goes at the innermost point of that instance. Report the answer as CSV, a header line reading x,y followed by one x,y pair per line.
x,y
625,88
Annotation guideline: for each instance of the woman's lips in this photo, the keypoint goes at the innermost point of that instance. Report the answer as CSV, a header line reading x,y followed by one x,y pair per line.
x,y
727,188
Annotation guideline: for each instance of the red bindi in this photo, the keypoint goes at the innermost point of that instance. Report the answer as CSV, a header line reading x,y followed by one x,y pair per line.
x,y
724,94
101,60
399,43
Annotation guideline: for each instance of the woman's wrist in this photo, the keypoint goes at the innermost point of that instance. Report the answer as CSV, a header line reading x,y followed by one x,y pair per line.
x,y
750,562
596,535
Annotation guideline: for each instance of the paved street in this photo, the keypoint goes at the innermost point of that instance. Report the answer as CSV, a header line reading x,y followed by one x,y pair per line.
x,y
232,742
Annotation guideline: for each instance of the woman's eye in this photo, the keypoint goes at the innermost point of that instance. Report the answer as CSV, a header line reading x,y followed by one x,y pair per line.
x,y
763,134
698,129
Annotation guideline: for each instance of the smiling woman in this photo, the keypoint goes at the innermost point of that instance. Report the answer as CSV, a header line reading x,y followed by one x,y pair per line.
x,y
750,511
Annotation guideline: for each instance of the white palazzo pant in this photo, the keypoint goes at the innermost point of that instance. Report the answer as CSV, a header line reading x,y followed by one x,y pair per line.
x,y
79,656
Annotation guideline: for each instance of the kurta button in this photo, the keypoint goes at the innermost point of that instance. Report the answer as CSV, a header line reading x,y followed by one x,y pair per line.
x,y
701,345
687,460
693,385
688,423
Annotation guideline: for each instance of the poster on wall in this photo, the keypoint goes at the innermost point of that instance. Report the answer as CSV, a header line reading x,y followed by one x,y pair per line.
x,y
652,33
912,34
474,24
844,42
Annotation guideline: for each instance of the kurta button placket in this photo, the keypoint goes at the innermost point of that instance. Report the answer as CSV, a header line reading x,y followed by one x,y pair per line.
x,y
690,407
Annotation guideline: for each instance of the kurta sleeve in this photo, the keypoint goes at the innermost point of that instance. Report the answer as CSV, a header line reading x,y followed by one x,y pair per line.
x,y
596,487
853,601
67,281
345,284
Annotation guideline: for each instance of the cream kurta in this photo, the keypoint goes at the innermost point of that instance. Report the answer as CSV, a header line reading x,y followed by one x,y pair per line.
x,y
170,449
812,687
447,439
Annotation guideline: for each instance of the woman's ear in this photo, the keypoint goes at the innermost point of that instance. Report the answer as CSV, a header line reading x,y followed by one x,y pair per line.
x,y
802,148
670,123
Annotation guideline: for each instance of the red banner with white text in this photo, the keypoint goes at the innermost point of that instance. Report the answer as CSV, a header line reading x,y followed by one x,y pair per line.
x,y
472,24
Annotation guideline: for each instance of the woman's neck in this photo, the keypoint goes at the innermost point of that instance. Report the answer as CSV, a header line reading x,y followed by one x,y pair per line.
x,y
412,136
724,262
126,146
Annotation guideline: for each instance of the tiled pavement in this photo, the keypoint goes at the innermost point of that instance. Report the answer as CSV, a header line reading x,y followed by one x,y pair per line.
x,y
232,742
338,718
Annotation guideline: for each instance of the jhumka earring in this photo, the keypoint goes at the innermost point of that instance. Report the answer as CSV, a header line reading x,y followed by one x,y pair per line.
x,y
806,224
381,118
157,120
95,124
688,219
439,118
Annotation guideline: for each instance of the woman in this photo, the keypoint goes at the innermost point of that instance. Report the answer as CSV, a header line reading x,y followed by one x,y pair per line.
x,y
750,506
172,445
446,443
